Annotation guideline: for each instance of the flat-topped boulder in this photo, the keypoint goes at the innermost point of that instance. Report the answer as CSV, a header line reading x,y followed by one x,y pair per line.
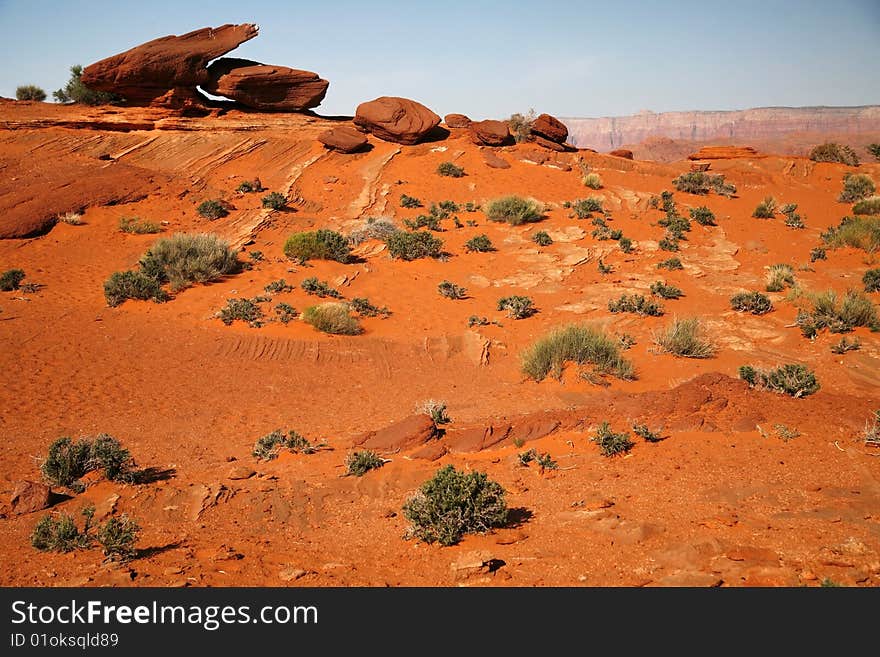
x,y
394,119
490,133
265,87
344,139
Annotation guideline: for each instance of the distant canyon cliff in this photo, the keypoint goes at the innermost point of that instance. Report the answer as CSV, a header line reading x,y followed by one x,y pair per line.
x,y
786,130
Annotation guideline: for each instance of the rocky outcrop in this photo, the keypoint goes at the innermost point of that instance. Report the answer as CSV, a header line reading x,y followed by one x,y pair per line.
x,y
490,133
622,152
725,153
456,121
548,144
30,496
265,87
549,127
343,139
166,71
413,431
398,120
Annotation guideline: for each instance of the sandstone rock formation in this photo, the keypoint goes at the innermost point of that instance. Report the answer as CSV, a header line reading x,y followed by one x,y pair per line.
x,y
622,152
265,87
166,70
490,133
394,119
548,144
407,433
344,139
550,128
456,121
30,496
724,153
495,162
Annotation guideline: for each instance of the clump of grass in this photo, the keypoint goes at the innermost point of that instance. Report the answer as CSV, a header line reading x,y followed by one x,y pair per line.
x,y
603,232
321,244
69,460
248,186
818,253
699,182
138,226
274,201
407,201
11,279
766,209
412,246
60,533
212,209
871,280
869,206
279,286
703,216
431,222
856,186
672,264
592,180
610,443
319,289
188,258
364,308
515,210
333,318
374,229
544,461
267,447
479,244
360,463
542,238
645,433
792,379
450,290
845,345
755,303
831,152
517,307
285,312
585,207
255,256
779,277
124,285
792,218
452,504
838,315
450,170
665,290
685,338
578,344
860,232
244,310
635,303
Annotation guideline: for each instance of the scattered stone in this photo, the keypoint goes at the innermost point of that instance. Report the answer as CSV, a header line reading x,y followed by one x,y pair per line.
x,y
548,144
511,536
407,433
622,152
495,162
343,139
241,472
480,562
291,574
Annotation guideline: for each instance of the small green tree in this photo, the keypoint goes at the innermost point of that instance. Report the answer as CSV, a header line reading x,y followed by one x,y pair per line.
x,y
30,92
76,92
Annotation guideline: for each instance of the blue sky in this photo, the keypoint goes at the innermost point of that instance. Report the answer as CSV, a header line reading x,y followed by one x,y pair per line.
x,y
489,59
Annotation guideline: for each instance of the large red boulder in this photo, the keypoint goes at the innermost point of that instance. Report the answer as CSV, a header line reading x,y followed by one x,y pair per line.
x,y
146,73
399,120
490,133
550,128
344,139
265,87
456,121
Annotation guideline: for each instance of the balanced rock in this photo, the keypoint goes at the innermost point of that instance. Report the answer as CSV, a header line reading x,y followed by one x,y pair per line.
x,y
456,121
343,139
490,133
550,128
622,152
265,87
398,120
146,73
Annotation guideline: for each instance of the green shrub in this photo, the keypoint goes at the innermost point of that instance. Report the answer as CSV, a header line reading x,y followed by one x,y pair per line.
x,y
671,264
124,285
479,244
279,286
188,258
107,453
646,434
666,291
30,92
792,218
831,152
792,379
585,207
412,246
452,504
11,279
542,238
333,318
249,186
521,125
685,338
675,224
76,92
267,447
117,536
244,310
360,463
703,216
436,410
755,303
625,244
592,180
544,461
517,307
818,253
669,243
318,288
321,244
274,201
451,290
443,209
69,460
578,344
874,149
374,229
60,533
766,209
603,232
836,314
610,443
138,226
450,170
212,209
635,303
779,277
845,345
698,182
870,205
285,312
514,210
407,201
363,307
856,187
860,232
871,280
603,268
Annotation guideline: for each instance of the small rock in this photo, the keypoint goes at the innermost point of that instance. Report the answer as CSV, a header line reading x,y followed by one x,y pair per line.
x,y
479,562
30,496
511,537
495,162
241,472
291,574
173,570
